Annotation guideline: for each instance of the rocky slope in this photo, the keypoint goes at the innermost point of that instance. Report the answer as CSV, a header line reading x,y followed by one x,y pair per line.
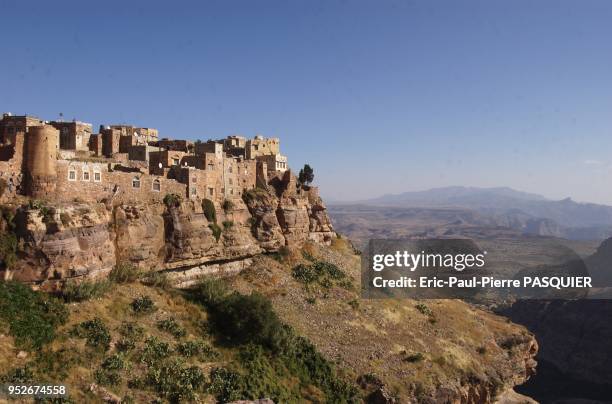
x,y
398,350
86,240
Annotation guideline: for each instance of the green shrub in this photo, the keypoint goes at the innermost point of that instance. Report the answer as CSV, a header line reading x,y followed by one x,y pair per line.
x,y
32,317
423,309
304,273
211,291
175,381
18,375
143,305
86,290
172,327
8,249
227,205
209,210
200,349
414,357
172,200
246,318
124,272
216,230
226,385
96,333
107,378
228,224
154,351
113,362
131,330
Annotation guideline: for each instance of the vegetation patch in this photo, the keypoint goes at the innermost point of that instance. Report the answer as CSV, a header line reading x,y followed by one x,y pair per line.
x,y
321,273
124,272
86,290
172,200
171,326
274,361
95,331
143,305
199,349
208,207
32,317
216,230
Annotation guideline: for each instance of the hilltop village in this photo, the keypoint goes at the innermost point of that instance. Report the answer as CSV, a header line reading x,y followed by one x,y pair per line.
x,y
76,204
59,160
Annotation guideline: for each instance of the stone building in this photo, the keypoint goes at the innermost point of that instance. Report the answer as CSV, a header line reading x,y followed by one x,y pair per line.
x,y
62,161
74,135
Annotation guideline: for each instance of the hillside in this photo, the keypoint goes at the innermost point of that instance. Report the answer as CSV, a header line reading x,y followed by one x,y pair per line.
x,y
119,345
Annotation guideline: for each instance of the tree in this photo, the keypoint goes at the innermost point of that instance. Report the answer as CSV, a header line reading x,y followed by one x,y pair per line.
x,y
306,175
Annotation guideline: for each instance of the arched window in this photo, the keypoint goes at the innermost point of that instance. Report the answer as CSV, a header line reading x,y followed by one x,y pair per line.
x,y
135,182
156,185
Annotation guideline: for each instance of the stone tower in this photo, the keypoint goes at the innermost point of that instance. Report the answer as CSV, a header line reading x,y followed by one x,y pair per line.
x,y
41,148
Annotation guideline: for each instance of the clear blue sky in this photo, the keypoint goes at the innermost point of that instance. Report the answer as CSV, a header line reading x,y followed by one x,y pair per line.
x,y
378,96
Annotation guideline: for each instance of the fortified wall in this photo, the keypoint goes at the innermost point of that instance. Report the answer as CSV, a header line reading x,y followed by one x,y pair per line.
x,y
186,208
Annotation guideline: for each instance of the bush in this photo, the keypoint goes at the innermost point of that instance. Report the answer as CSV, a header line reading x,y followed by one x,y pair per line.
x,y
176,382
199,349
154,351
86,290
8,249
415,357
172,200
209,210
124,272
96,333
226,385
423,309
32,317
107,378
228,224
325,274
227,205
210,292
130,334
143,305
172,327
113,362
246,318
216,230
304,273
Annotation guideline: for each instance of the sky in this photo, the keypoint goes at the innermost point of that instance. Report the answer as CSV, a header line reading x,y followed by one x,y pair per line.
x,y
377,96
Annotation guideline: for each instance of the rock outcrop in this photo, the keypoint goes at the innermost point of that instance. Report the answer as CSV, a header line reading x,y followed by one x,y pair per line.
x,y
63,241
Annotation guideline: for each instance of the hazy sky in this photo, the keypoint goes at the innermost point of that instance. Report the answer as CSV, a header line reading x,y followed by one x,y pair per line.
x,y
378,96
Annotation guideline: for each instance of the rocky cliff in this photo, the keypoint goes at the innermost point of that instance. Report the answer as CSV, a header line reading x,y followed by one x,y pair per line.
x,y
86,240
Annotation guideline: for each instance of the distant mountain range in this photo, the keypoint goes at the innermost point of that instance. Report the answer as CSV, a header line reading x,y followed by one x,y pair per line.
x,y
530,213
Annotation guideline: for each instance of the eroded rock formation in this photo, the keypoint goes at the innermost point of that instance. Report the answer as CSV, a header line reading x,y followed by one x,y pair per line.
x,y
59,241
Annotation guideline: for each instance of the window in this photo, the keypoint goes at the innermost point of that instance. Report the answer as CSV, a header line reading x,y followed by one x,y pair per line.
x,y
193,191
72,175
156,186
231,182
86,175
230,169
211,191
211,166
175,162
194,179
97,176
231,191
136,182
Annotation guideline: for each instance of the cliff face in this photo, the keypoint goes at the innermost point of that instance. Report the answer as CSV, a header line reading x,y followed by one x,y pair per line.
x,y
61,241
